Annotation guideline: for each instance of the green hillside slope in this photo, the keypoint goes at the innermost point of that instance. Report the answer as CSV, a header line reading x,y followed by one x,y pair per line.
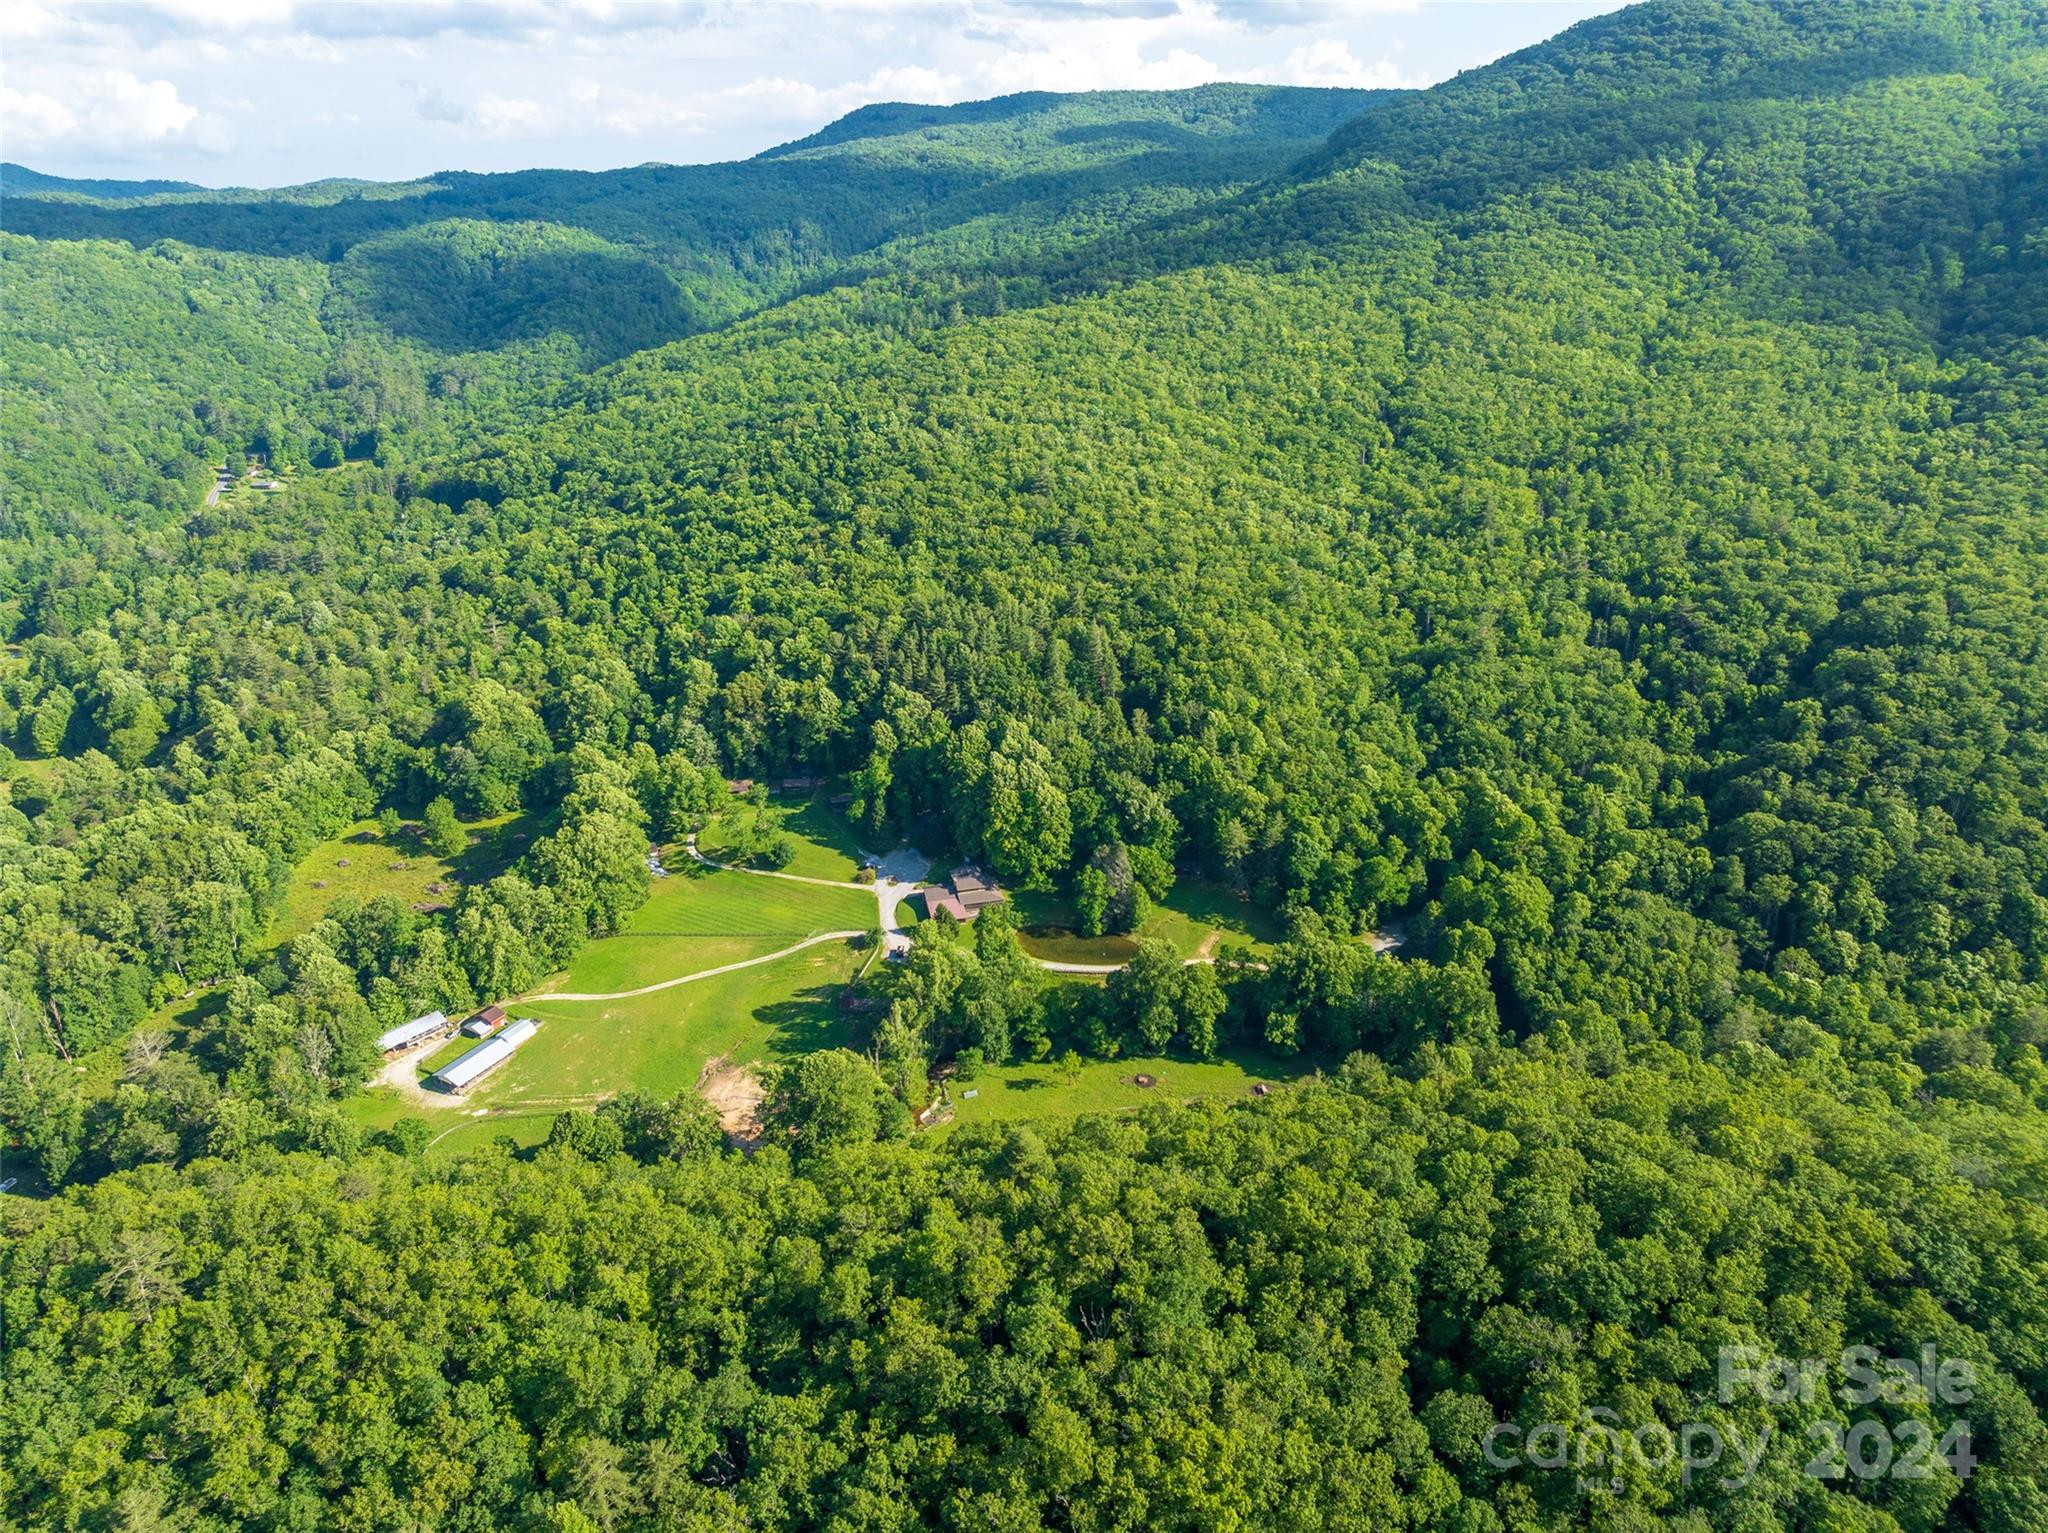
x,y
458,303
1583,528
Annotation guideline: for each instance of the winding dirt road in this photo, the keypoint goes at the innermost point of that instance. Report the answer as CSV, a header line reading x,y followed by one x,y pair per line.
x,y
684,979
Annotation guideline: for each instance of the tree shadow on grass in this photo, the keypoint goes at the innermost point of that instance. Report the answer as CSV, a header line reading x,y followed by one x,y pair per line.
x,y
488,855
809,1021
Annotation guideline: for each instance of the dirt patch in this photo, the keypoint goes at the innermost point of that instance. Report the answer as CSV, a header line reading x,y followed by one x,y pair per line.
x,y
735,1094
1206,953
1142,1082
401,1073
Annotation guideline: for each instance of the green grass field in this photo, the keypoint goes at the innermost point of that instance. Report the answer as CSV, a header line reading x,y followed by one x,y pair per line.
x,y
659,1043
455,1130
701,902
31,768
447,1051
1190,917
1017,1093
361,863
628,962
697,919
524,1129
826,846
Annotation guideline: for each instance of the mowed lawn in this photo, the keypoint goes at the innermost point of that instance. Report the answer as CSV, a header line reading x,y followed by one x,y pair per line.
x,y
465,1134
660,1043
359,862
1021,1093
697,919
706,902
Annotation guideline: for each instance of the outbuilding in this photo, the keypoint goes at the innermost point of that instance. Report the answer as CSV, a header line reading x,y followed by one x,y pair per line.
x,y
406,1034
466,1069
484,1023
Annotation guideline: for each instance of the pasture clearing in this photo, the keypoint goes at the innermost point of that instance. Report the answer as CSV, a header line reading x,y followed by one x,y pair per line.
x,y
1022,1093
362,864
1194,919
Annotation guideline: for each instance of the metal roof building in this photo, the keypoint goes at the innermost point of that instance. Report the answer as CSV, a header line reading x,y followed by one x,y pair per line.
x,y
473,1065
408,1033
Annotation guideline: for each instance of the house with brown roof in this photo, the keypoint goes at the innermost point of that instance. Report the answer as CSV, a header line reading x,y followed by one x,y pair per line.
x,y
966,892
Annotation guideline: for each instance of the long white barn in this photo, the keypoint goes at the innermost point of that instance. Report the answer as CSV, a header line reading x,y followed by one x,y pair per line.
x,y
471,1066
406,1034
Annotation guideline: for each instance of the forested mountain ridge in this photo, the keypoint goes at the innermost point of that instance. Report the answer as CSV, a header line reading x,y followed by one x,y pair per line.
x,y
733,235
461,302
19,179
1588,517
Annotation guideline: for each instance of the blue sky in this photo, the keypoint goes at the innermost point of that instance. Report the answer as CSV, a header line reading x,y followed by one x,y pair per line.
x,y
268,92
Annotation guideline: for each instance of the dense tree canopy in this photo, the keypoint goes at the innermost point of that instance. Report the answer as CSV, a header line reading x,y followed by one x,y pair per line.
x,y
1585,520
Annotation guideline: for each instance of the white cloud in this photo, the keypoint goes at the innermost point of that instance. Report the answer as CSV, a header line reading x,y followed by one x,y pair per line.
x,y
23,22
1085,49
499,84
109,112
503,115
780,98
1078,66
149,22
31,117
492,115
632,113
1330,61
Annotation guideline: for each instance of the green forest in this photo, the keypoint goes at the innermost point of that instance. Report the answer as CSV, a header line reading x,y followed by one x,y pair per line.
x,y
1516,611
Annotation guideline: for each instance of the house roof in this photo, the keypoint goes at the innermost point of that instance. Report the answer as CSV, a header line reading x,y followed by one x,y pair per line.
x,y
937,899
